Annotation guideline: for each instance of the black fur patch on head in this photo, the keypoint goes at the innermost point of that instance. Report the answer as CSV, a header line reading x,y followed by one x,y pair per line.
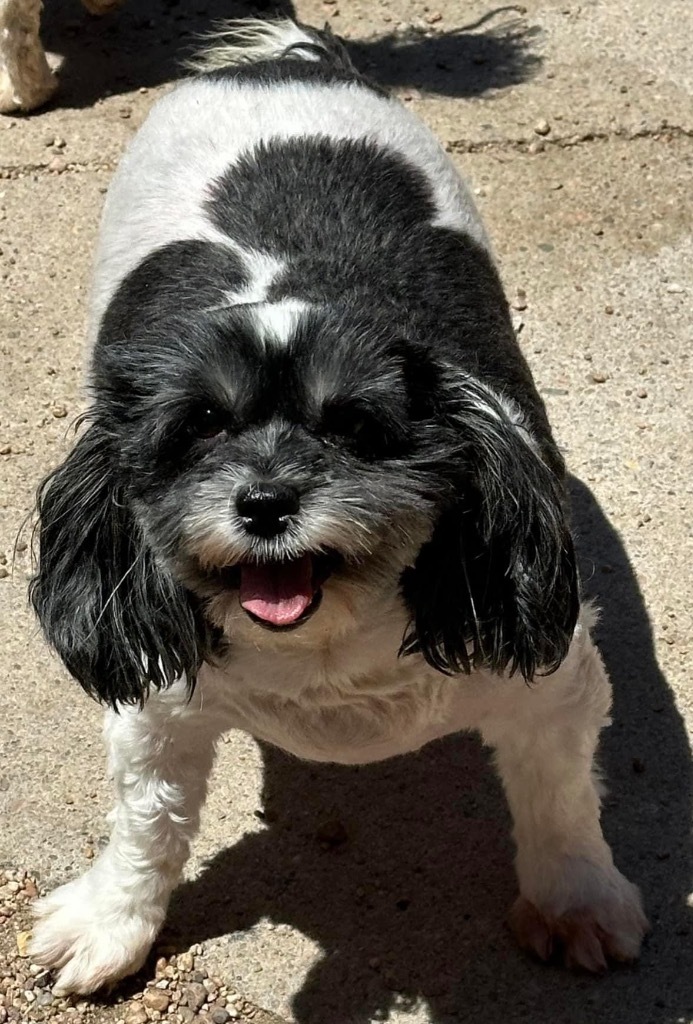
x,y
189,275
357,221
347,378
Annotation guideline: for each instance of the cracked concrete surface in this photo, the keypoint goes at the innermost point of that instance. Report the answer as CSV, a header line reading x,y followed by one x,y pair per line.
x,y
591,221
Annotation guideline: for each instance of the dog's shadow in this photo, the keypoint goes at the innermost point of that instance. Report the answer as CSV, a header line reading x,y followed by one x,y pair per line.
x,y
145,42
402,871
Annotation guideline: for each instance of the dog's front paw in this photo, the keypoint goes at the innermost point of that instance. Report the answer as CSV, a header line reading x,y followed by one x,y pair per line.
x,y
604,920
29,87
90,936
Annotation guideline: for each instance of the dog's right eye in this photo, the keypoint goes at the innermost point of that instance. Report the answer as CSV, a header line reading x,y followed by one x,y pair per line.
x,y
207,422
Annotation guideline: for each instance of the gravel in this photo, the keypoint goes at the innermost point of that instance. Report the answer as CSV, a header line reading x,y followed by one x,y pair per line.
x,y
176,988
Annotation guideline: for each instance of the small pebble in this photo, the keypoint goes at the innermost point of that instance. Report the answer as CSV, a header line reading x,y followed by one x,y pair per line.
x,y
609,310
58,164
195,996
542,127
185,961
674,289
520,301
597,229
156,999
136,1015
598,377
59,411
331,833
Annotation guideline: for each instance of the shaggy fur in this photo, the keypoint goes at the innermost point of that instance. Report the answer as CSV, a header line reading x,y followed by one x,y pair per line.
x,y
317,497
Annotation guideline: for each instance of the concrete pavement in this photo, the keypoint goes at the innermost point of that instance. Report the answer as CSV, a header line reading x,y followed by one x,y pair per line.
x,y
574,124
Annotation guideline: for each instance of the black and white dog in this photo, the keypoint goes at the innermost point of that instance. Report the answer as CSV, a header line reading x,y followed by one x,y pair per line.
x,y
317,498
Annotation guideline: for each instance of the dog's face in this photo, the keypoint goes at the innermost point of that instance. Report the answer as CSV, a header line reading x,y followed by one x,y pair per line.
x,y
286,468
279,468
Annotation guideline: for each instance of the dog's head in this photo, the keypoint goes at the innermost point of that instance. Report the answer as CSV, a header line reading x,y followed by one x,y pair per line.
x,y
283,468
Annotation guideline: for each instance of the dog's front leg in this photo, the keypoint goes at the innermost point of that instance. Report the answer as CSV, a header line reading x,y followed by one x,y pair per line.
x,y
101,926
572,897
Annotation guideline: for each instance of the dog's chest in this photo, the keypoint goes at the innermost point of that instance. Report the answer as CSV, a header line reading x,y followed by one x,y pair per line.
x,y
356,704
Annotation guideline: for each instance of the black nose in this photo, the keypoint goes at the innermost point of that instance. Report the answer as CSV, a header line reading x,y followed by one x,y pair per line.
x,y
266,508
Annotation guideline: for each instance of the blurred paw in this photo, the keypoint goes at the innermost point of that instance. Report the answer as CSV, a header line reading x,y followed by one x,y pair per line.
x,y
27,91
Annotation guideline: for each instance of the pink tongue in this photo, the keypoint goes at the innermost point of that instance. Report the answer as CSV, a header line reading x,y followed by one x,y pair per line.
x,y
278,592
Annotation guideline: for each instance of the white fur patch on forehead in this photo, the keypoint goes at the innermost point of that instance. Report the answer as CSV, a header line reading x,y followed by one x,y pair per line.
x,y
263,269
276,322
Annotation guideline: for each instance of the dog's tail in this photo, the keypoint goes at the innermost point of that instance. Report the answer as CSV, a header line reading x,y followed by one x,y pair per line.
x,y
250,40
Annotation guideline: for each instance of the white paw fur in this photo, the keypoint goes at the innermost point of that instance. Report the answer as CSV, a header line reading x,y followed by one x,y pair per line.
x,y
91,935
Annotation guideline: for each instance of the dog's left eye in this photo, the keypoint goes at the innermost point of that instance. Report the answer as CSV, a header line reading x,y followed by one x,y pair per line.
x,y
207,422
358,428
345,421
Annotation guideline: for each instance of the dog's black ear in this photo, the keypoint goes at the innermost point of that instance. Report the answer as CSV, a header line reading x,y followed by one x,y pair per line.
x,y
118,620
497,584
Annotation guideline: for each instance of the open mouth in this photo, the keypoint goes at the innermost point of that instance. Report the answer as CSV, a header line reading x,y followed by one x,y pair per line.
x,y
280,595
